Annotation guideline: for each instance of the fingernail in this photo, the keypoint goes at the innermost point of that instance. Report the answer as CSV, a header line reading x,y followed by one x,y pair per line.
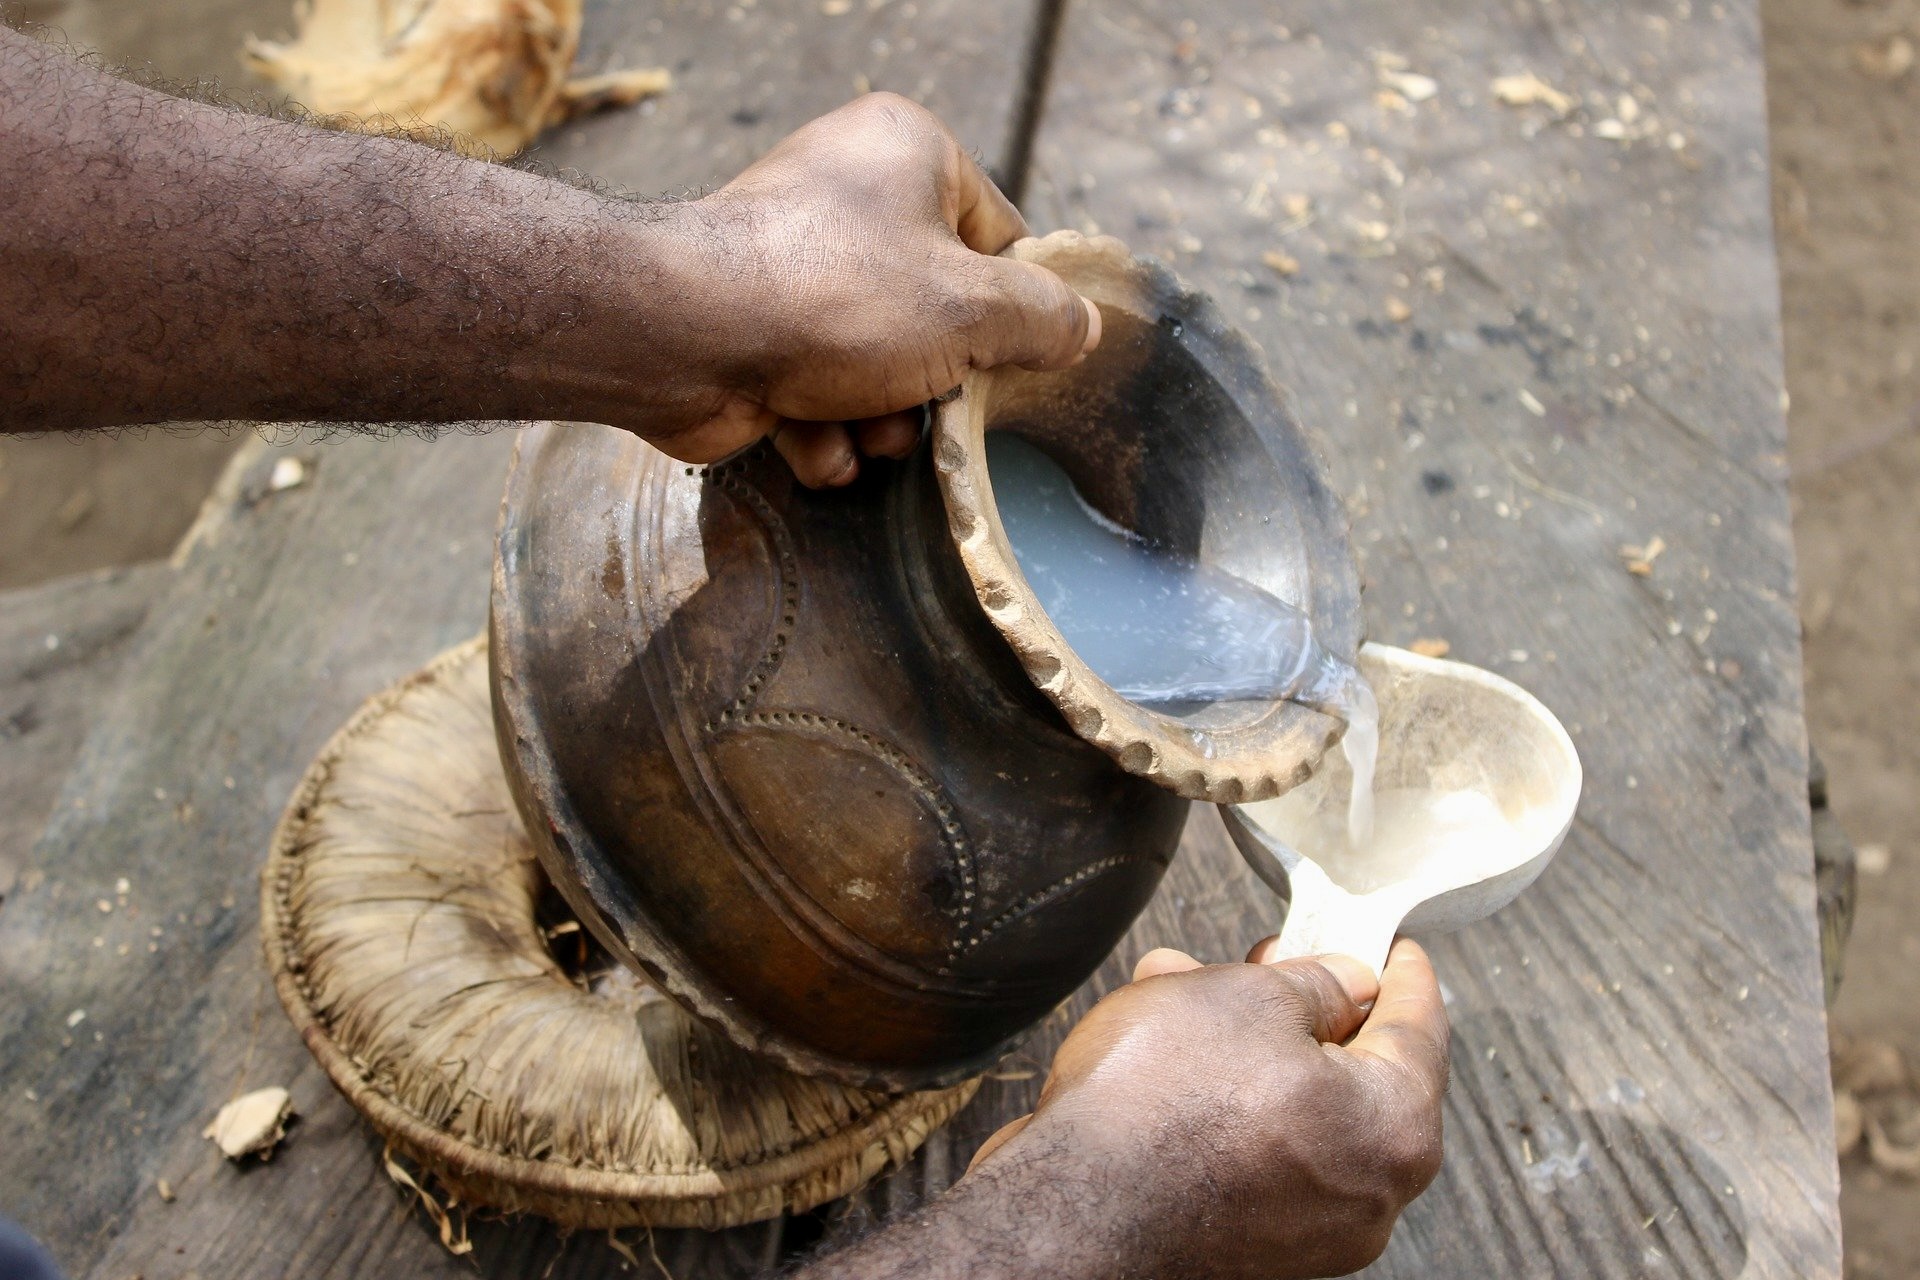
x,y
1359,982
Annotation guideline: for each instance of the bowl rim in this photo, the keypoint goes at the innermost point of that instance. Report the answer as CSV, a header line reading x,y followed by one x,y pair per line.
x,y
1224,766
1242,826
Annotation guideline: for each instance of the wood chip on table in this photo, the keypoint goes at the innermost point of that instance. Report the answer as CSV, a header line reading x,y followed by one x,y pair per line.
x,y
1398,311
1283,263
1873,859
1864,1066
1887,58
1430,647
1640,559
1398,78
1849,1122
78,506
1887,1155
288,473
252,1124
1527,89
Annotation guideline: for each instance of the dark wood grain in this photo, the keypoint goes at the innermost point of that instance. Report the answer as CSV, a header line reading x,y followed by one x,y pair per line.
x,y
289,609
61,647
1530,345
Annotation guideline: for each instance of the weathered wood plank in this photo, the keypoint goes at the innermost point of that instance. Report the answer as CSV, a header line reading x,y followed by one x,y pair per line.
x,y
1532,338
289,609
61,647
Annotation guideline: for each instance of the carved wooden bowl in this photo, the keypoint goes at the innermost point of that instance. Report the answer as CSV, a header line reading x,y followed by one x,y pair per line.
x,y
818,763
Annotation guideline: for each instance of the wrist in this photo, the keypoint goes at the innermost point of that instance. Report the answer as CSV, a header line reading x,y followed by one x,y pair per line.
x,y
1061,1200
647,337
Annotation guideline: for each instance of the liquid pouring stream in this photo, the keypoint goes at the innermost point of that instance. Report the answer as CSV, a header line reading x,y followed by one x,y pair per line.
x,y
1168,632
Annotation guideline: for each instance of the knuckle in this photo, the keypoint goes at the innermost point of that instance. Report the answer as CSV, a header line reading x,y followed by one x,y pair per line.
x,y
1364,1246
1414,1154
1302,986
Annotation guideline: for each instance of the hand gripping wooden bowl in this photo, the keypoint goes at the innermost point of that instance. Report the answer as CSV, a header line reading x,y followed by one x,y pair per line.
x,y
820,765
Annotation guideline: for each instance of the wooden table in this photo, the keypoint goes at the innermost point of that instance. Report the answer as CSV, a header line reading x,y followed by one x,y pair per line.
x,y
1533,334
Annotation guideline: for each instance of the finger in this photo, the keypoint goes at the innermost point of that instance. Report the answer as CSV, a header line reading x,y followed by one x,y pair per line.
x,y
1323,993
1360,981
1408,1025
820,453
985,219
891,435
1163,960
999,1138
1265,951
1032,319
739,423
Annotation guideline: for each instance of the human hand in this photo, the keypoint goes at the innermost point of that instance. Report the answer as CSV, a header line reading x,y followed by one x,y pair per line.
x,y
850,278
1249,1119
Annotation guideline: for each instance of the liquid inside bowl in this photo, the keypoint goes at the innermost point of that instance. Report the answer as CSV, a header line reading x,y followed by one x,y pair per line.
x,y
1163,629
1474,778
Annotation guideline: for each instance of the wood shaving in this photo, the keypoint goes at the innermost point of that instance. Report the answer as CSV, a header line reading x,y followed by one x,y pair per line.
x,y
1410,85
1864,1067
165,1189
1849,1122
1887,1156
1640,559
1527,89
1398,311
1430,647
252,1124
288,473
1887,58
492,73
78,506
1283,263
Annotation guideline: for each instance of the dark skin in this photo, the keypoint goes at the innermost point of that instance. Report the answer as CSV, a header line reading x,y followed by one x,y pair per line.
x,y
166,260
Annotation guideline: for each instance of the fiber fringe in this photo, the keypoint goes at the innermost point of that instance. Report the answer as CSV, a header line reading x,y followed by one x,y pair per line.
x,y
399,919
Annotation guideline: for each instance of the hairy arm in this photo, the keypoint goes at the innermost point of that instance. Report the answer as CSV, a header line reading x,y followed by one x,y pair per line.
x,y
164,259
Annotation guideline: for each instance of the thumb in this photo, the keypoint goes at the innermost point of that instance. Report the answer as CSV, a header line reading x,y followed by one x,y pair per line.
x,y
1032,319
1329,995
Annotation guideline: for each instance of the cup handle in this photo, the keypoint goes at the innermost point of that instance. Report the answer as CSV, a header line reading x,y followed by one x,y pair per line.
x,y
1323,919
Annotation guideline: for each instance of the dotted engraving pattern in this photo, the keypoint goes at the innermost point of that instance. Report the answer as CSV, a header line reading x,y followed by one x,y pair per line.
x,y
742,712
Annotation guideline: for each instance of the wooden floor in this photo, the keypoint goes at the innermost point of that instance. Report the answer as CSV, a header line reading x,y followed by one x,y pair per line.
x,y
1532,334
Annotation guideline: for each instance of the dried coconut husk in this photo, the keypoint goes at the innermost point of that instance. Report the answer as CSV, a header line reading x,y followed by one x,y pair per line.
x,y
401,908
491,72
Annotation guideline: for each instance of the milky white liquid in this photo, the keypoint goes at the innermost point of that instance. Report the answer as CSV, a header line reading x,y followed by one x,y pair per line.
x,y
1443,839
1164,630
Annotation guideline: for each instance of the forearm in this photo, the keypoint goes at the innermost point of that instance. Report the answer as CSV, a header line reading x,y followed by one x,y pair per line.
x,y
1047,1207
165,259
